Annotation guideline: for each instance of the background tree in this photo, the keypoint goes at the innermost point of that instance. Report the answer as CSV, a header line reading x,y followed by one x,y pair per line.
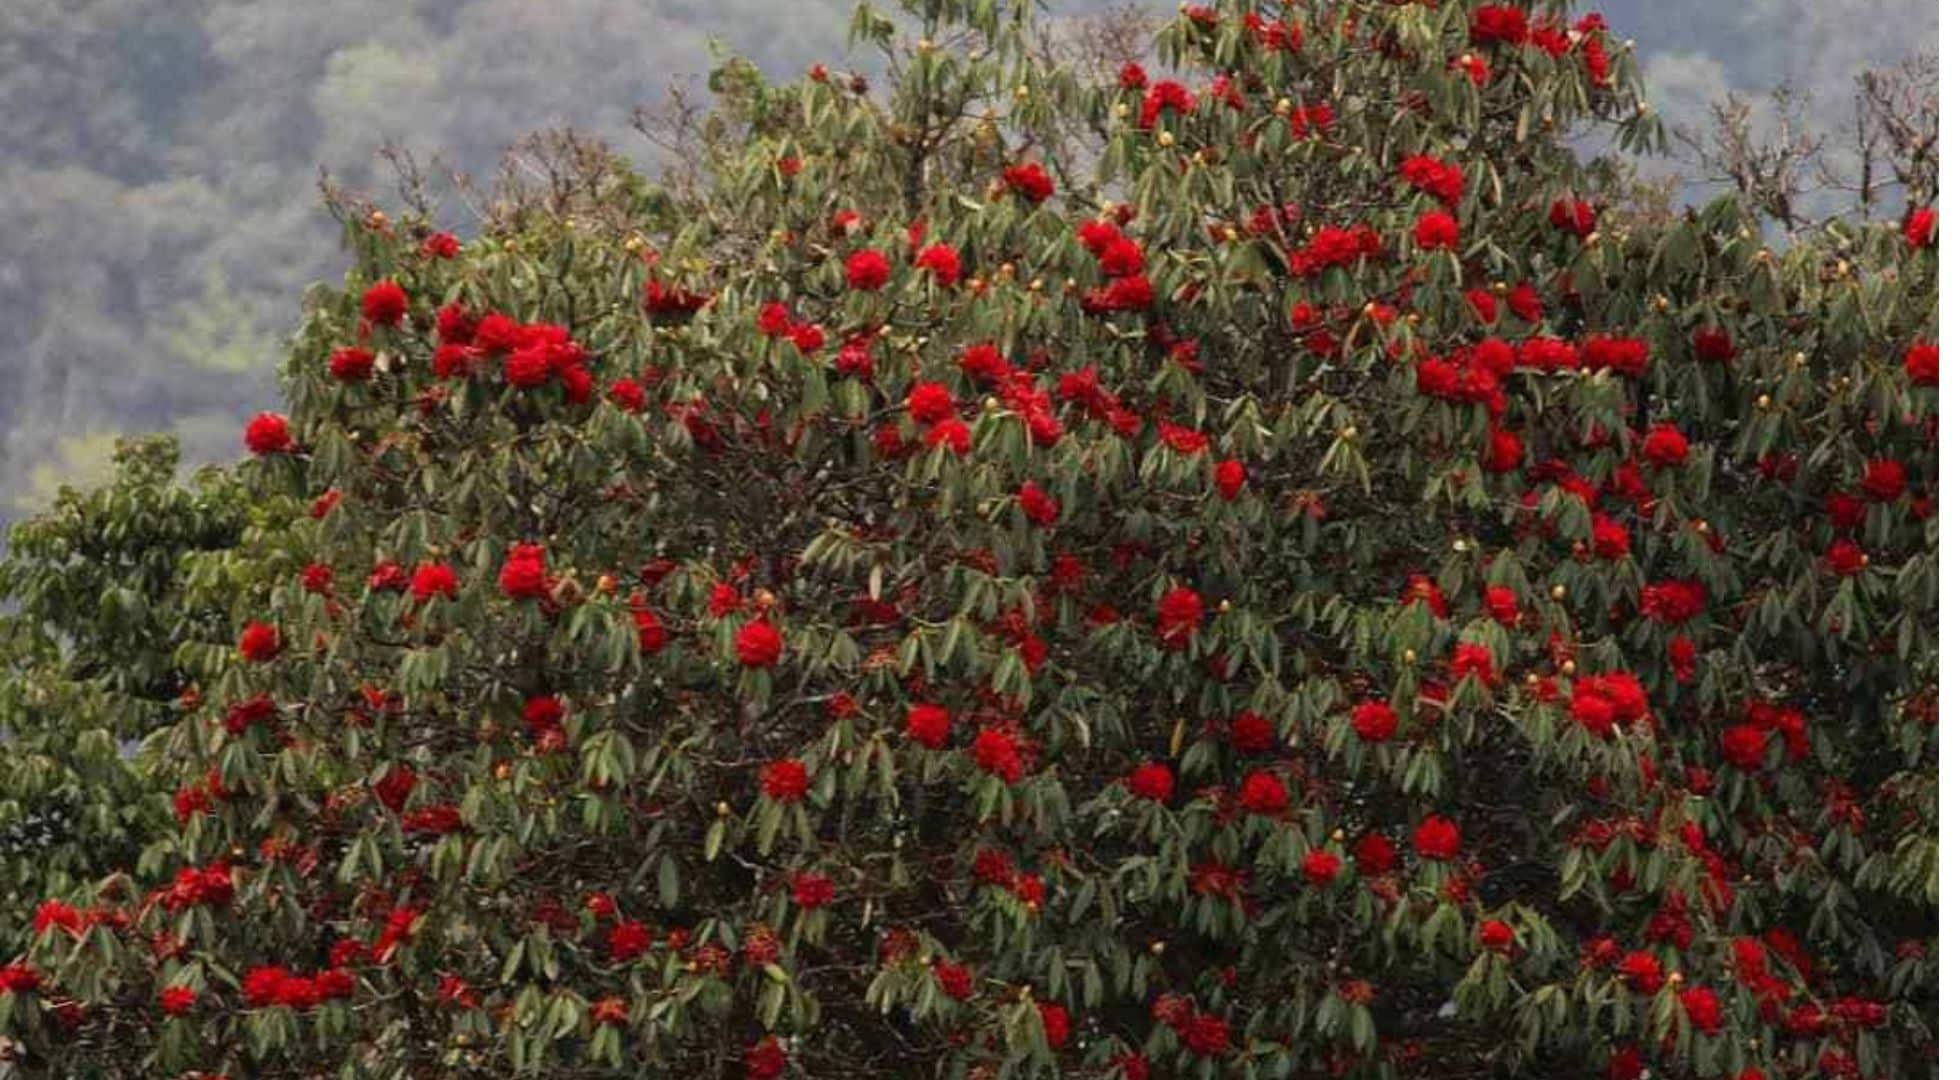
x,y
1316,586
97,605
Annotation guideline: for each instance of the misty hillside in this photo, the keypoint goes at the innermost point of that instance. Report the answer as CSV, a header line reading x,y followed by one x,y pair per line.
x,y
159,160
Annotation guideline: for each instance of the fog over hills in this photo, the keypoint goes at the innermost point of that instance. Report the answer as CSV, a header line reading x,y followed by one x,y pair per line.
x,y
159,214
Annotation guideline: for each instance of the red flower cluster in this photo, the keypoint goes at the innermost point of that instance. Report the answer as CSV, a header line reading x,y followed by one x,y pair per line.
x,y
1152,780
1574,216
1373,721
928,725
259,642
524,576
785,781
1437,838
265,987
384,304
867,270
1433,177
758,644
1180,611
268,433
1029,180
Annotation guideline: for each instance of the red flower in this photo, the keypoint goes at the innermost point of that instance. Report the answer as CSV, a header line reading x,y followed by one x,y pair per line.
x,y
811,890
1153,781
996,752
1681,657
351,364
1433,177
758,645
1922,364
395,786
264,986
610,1011
1499,24
1664,447
1321,868
1120,257
1040,508
1182,439
57,915
1264,794
951,433
1373,721
384,304
1704,1009
455,326
1505,451
258,642
1436,229
1206,1036
1712,345
1885,480
1472,661
1251,733
1673,602
785,781
628,395
1502,604
1624,355
991,866
177,1000
1374,855
1745,747
1610,539
1625,1063
954,980
1523,302
1845,558
929,403
1054,1024
1642,971
432,580
388,577
928,725
527,369
942,262
1920,226
774,320
439,820
1180,611
627,940
867,270
1029,181
1496,936
1228,477
1437,838
766,1059
317,578
523,576
1574,216
441,245
268,433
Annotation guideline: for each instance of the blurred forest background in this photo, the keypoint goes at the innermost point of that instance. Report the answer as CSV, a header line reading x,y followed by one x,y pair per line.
x,y
160,159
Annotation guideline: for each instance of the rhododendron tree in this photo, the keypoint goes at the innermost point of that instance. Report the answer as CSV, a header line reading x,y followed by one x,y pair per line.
x,y
1257,565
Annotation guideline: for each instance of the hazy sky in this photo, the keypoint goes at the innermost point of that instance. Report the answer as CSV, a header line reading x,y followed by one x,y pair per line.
x,y
158,215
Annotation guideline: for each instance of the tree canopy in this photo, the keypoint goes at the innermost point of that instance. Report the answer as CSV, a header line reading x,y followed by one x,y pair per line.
x,y
1251,564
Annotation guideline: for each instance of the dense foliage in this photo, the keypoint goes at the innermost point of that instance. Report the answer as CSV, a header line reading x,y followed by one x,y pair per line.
x,y
1258,567
96,606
